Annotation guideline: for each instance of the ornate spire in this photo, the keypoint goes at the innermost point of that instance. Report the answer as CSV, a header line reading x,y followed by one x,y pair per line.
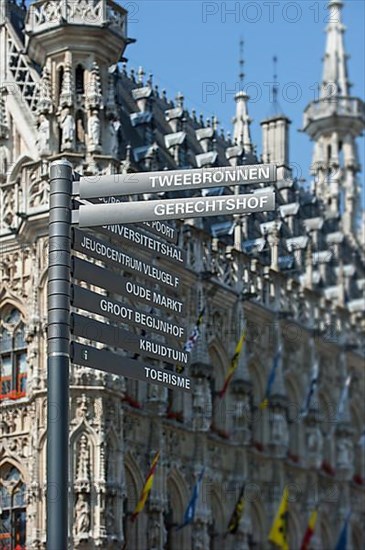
x,y
45,96
94,94
335,80
242,121
66,97
333,122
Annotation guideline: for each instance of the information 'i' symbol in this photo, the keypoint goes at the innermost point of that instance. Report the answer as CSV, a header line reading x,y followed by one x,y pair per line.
x,y
84,354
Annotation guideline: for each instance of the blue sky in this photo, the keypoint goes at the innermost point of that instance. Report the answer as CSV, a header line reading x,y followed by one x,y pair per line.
x,y
193,47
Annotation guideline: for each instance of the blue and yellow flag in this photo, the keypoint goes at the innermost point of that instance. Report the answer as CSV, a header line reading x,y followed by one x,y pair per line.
x,y
271,379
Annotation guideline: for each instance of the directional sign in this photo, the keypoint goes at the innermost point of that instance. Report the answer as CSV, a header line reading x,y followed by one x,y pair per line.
x,y
108,361
140,238
120,338
117,311
170,209
103,278
160,229
111,255
174,180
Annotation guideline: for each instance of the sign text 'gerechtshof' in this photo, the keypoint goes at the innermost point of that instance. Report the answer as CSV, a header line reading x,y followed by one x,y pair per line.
x,y
92,215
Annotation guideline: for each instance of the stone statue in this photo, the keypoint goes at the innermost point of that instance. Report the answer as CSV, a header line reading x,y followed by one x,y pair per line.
x,y
279,434
109,516
314,446
4,163
154,535
94,129
344,454
68,130
82,515
113,128
43,135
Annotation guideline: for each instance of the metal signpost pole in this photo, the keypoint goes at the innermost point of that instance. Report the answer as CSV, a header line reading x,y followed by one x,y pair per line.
x,y
58,360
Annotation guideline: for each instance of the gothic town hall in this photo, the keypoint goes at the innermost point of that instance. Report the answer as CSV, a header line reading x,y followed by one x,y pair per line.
x,y
295,276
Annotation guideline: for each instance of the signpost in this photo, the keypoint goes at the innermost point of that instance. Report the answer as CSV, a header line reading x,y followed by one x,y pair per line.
x,y
171,209
156,238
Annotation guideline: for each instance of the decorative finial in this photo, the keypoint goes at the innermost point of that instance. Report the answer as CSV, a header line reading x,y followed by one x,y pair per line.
x,y
241,75
275,87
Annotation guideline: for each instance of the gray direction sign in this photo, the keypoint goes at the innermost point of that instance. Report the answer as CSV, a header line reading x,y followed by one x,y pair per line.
x,y
117,311
103,278
169,209
120,338
174,180
108,253
108,361
129,234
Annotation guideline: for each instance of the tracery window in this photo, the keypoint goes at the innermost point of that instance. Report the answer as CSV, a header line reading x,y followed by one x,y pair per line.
x,y
13,356
79,78
12,509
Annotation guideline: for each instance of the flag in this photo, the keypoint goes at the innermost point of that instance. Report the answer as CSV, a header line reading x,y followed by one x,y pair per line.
x,y
343,398
146,488
342,541
310,530
191,341
279,529
270,380
234,362
190,510
234,522
312,387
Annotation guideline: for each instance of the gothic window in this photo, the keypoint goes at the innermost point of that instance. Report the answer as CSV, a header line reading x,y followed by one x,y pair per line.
x,y
13,356
12,511
59,82
183,157
79,79
149,135
173,517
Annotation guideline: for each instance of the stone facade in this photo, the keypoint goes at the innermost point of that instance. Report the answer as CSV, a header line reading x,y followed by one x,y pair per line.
x,y
296,277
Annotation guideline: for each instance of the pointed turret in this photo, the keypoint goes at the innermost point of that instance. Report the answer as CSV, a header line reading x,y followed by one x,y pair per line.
x,y
335,80
333,122
275,131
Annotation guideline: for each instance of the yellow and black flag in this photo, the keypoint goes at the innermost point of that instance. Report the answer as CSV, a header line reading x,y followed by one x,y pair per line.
x,y
234,362
146,488
237,513
279,530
